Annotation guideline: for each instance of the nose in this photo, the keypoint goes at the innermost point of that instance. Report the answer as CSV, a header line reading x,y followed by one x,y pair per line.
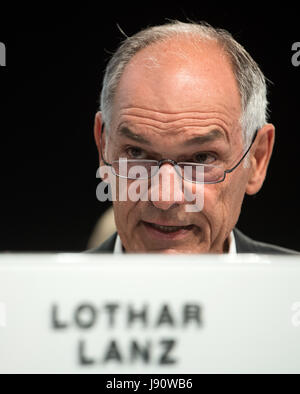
x,y
166,189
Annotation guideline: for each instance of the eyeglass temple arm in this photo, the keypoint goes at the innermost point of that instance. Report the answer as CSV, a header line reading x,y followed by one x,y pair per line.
x,y
226,171
244,155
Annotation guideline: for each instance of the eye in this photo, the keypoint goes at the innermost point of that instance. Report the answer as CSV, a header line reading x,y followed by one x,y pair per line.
x,y
135,152
204,158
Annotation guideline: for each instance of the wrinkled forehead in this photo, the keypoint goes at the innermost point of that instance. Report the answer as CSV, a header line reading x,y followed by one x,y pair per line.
x,y
180,76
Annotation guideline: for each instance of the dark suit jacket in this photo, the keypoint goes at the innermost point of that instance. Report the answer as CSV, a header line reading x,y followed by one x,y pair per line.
x,y
244,244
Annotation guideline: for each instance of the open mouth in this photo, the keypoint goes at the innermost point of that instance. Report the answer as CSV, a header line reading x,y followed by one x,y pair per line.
x,y
169,229
167,232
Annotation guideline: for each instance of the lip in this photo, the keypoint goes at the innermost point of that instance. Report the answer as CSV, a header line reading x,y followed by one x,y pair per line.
x,y
165,223
160,235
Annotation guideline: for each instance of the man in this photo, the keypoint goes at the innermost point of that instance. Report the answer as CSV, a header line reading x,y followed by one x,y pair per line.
x,y
189,94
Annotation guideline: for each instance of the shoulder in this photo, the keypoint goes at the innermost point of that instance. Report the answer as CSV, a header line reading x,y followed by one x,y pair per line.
x,y
106,247
245,244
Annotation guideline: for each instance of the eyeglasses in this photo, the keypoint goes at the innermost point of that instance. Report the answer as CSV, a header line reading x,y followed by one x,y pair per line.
x,y
192,172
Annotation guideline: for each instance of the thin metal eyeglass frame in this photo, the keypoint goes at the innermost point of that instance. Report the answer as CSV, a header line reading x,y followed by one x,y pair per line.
x,y
174,163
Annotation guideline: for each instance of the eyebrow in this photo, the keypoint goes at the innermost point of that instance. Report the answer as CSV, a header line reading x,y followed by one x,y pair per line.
x,y
209,137
199,139
125,132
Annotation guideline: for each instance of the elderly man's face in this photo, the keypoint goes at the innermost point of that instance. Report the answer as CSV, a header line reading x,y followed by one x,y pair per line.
x,y
169,94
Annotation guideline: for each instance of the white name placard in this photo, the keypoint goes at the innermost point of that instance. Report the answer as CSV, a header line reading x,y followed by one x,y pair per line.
x,y
80,313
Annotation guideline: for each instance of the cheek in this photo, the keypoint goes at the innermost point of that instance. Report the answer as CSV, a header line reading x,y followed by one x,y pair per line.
x,y
126,212
231,198
122,216
218,203
238,185
214,196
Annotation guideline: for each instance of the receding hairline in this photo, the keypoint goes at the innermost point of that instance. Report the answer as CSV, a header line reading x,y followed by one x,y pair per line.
x,y
251,81
159,36
184,46
155,53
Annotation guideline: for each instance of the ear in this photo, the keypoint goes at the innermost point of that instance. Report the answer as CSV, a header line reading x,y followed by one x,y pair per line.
x,y
104,171
260,157
99,139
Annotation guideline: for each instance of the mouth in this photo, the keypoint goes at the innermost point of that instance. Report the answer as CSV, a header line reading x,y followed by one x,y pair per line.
x,y
164,232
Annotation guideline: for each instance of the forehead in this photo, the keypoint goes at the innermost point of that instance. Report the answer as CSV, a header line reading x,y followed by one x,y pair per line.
x,y
176,77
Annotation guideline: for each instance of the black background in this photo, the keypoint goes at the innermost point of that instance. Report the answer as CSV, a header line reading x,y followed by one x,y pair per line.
x,y
49,96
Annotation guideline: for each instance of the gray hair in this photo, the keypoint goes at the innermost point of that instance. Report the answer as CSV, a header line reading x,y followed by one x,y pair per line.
x,y
250,79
